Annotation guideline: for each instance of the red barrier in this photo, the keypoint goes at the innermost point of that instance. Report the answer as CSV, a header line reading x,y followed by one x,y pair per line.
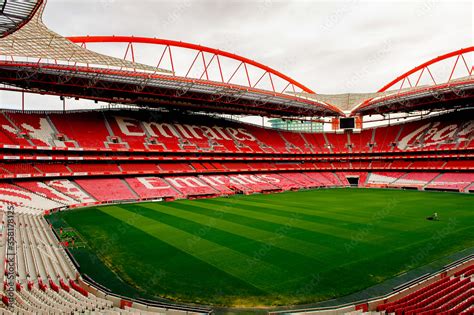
x,y
63,285
53,285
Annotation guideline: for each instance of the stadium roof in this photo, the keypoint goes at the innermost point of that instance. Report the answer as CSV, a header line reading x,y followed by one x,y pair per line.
x,y
37,60
14,14
42,61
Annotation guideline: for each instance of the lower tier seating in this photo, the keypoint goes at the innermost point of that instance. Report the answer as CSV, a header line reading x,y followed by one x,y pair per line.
x,y
107,189
455,181
449,295
37,196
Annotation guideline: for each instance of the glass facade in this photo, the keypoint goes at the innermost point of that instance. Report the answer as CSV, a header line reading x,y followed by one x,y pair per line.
x,y
296,125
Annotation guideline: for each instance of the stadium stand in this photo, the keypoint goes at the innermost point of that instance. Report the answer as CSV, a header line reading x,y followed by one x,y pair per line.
x,y
57,161
449,295
151,187
70,189
415,179
451,181
99,133
121,156
107,189
418,154
191,186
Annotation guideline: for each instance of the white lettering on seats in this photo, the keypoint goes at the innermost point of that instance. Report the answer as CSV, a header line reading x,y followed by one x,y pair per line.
x,y
43,133
153,183
158,130
179,182
126,124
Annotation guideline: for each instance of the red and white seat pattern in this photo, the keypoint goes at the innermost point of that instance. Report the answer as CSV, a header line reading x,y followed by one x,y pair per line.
x,y
133,131
191,186
70,189
107,189
25,201
449,295
150,187
456,181
415,179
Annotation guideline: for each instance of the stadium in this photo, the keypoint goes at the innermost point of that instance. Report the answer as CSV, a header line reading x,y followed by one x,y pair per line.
x,y
164,201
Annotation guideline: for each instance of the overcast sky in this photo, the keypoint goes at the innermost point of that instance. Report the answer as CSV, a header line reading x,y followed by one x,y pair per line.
x,y
329,46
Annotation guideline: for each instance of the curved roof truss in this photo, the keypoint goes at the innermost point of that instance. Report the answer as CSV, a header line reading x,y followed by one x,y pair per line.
x,y
446,81
205,63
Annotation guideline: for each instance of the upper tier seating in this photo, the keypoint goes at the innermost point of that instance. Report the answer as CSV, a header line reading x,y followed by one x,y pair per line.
x,y
87,129
137,131
10,133
385,138
37,129
317,141
360,142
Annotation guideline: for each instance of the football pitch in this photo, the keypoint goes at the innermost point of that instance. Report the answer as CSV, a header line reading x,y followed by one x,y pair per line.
x,y
263,250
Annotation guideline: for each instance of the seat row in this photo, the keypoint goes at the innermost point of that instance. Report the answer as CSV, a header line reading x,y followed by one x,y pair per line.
x,y
129,130
449,295
27,169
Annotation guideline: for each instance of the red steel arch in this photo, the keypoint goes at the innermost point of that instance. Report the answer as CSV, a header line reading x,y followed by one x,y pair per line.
x,y
425,67
438,93
130,40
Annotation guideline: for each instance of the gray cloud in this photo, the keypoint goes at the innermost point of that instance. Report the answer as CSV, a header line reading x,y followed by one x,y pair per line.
x,y
322,44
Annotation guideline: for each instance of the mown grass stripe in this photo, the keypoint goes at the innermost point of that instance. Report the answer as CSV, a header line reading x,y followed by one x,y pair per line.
x,y
221,257
323,244
145,262
326,242
278,239
298,265
296,220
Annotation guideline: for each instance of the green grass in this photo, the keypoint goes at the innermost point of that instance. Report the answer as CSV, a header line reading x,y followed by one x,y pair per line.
x,y
266,250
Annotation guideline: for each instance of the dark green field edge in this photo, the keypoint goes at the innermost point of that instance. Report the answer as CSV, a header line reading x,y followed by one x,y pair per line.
x,y
103,271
